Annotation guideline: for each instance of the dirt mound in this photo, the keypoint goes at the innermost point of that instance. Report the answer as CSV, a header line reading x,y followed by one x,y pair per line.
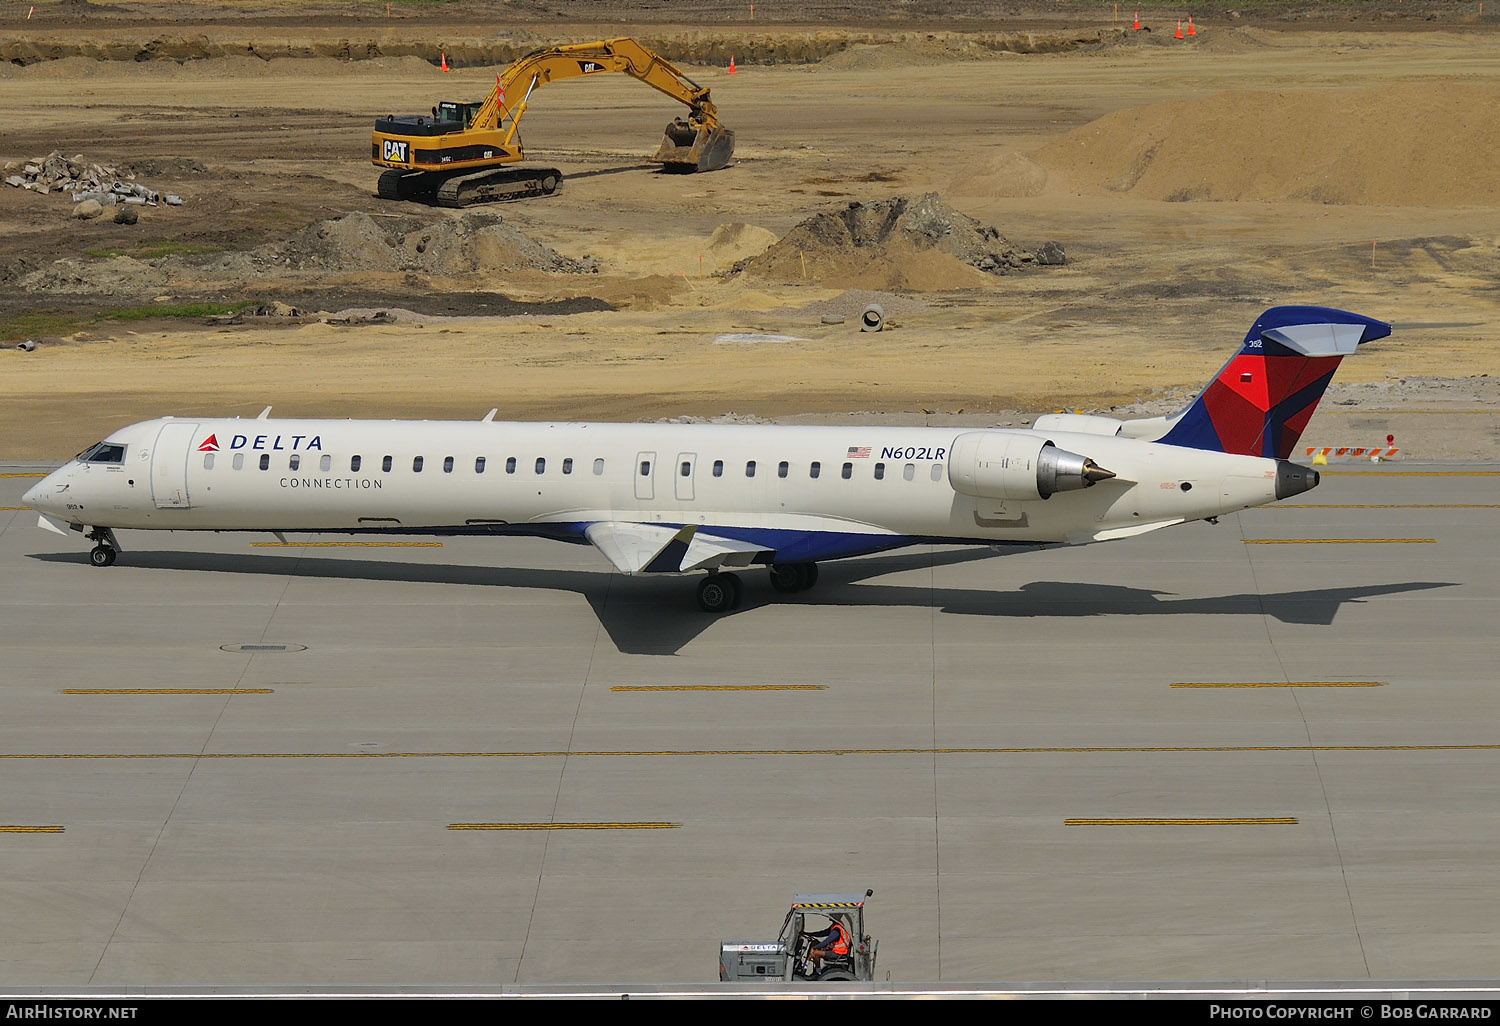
x,y
919,244
923,49
116,276
734,241
475,241
1005,174
909,53
1409,144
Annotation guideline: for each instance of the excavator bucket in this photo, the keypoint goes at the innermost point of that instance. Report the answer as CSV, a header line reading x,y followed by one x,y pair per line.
x,y
689,148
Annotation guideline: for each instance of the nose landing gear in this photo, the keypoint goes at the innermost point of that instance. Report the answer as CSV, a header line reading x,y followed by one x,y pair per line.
x,y
106,549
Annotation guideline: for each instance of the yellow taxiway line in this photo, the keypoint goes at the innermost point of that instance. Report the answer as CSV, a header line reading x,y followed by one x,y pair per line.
x,y
1339,541
1284,684
564,826
720,687
1194,821
167,691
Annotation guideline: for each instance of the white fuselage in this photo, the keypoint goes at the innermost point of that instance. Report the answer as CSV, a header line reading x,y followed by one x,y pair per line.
x,y
796,493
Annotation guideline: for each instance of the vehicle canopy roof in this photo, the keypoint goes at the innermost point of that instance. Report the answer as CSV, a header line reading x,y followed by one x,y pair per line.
x,y
830,900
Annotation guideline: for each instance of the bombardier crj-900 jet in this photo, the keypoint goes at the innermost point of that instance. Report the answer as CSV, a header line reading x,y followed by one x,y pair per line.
x,y
677,498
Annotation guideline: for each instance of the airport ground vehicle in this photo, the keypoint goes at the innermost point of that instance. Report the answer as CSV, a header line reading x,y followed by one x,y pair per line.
x,y
787,957
460,155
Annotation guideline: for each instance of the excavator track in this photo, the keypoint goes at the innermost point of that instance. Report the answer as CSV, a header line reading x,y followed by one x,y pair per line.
x,y
498,185
466,190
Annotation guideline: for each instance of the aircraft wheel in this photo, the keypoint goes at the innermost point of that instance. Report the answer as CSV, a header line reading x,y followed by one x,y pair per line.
x,y
102,555
786,577
809,575
736,589
715,594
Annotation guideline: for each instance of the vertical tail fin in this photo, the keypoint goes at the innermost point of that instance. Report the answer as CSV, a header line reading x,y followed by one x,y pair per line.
x,y
1259,403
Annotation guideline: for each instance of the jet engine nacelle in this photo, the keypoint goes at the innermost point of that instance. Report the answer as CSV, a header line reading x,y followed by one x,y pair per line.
x,y
1011,465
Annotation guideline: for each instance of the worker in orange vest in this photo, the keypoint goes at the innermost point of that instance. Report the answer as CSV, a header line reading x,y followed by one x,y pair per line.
x,y
832,942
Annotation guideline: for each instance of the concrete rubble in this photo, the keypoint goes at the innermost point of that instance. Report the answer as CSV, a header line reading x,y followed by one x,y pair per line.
x,y
105,184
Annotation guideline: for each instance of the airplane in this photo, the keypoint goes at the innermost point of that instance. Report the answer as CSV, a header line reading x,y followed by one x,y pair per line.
x,y
679,498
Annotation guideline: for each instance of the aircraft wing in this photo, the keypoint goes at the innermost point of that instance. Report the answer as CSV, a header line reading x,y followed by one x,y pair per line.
x,y
654,548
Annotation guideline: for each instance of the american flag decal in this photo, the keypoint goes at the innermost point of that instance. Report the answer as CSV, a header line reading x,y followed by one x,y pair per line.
x,y
858,452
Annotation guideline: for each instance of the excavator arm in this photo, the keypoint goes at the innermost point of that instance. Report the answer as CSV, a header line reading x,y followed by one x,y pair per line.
x,y
416,146
515,85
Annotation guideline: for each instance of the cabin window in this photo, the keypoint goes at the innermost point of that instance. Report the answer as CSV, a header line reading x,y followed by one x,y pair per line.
x,y
568,465
265,461
208,461
239,461
687,468
848,471
645,468
909,472
599,468
447,464
541,464
510,465
416,464
294,461
814,470
783,468
479,464
386,463
937,471
353,464
750,468
325,463
880,471
718,468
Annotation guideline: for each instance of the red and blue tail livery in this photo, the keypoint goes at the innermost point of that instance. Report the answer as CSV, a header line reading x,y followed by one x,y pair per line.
x,y
1261,401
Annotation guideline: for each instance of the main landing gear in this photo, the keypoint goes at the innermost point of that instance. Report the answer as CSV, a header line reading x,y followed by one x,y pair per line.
x,y
720,591
106,550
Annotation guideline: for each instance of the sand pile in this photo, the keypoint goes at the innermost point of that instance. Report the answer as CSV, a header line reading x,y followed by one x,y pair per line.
x,y
1409,144
476,241
919,244
1005,174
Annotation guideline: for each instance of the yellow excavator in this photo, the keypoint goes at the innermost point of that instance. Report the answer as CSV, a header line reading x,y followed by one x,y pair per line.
x,y
459,155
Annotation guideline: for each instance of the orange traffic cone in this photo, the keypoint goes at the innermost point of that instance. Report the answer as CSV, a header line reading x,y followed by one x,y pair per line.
x,y
1191,31
1135,26
444,58
731,64
1179,29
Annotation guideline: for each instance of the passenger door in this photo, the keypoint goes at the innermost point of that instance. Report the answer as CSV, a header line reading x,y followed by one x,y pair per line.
x,y
169,461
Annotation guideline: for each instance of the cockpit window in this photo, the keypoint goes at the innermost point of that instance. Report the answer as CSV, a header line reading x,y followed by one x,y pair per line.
x,y
103,452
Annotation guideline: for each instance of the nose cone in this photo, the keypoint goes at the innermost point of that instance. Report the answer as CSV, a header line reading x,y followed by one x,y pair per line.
x,y
42,496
